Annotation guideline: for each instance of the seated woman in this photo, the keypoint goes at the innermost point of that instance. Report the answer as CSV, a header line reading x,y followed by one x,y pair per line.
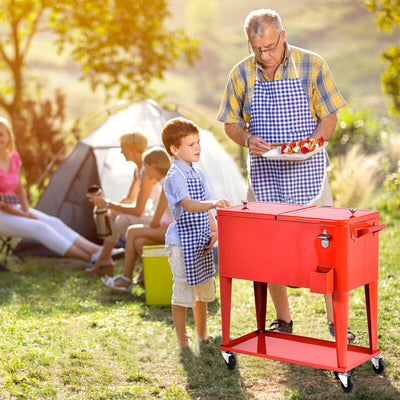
x,y
143,193
19,220
157,164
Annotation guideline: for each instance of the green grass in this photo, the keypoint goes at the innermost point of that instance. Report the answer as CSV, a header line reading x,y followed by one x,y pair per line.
x,y
64,335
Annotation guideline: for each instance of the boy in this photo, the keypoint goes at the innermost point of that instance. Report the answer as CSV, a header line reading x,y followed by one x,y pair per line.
x,y
190,238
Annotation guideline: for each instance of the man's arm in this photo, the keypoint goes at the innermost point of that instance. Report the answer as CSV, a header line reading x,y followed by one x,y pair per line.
x,y
325,128
239,135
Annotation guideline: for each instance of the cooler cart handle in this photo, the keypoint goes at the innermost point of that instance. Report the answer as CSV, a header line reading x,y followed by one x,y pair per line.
x,y
356,233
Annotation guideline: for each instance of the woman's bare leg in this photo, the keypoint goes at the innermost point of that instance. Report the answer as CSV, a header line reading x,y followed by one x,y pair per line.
x,y
76,252
139,244
86,245
138,236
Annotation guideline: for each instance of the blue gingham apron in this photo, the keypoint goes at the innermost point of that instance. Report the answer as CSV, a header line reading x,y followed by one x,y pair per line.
x,y
280,113
194,232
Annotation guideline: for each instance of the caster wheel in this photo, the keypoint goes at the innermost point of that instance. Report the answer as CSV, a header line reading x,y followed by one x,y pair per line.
x,y
379,366
350,385
231,363
336,374
229,358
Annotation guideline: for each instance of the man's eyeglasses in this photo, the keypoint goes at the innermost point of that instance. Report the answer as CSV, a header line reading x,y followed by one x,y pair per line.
x,y
271,49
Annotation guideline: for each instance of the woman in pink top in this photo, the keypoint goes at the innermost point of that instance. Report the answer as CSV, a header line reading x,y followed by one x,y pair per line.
x,y
19,220
157,163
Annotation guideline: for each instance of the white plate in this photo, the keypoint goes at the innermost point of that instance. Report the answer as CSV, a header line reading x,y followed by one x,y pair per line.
x,y
275,154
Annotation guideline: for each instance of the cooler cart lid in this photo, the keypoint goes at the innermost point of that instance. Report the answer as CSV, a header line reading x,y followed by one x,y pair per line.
x,y
258,209
329,215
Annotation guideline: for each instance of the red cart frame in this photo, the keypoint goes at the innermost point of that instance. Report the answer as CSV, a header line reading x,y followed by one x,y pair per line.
x,y
342,254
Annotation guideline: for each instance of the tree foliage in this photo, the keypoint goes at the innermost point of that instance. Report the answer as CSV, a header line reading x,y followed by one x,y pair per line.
x,y
119,45
388,12
39,129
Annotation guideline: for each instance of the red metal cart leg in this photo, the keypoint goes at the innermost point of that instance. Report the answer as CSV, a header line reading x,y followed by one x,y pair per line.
x,y
260,296
341,319
226,296
371,301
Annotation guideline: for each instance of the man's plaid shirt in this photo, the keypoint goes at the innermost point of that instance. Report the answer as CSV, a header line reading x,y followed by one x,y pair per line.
x,y
323,95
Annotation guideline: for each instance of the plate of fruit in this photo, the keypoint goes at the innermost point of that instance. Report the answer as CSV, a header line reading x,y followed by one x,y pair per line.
x,y
298,150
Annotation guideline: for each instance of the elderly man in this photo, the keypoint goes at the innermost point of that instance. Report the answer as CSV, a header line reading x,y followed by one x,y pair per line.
x,y
281,93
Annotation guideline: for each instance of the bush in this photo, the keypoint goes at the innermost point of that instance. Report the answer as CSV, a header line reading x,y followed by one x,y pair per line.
x,y
40,134
364,168
353,178
363,128
388,203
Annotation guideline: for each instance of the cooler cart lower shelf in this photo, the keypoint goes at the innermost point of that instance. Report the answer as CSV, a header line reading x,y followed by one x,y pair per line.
x,y
302,350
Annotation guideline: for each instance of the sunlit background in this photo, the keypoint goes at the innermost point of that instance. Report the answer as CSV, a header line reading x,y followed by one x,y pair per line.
x,y
344,32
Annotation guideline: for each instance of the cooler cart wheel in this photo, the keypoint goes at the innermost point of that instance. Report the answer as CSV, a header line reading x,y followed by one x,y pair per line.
x,y
337,373
378,365
346,381
229,358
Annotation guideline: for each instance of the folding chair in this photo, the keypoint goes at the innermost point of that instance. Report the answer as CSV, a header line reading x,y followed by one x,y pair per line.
x,y
7,247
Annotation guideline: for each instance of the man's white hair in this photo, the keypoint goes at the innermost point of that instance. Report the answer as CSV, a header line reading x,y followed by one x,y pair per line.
x,y
258,20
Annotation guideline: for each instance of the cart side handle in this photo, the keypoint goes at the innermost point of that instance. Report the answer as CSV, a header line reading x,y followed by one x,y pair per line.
x,y
357,233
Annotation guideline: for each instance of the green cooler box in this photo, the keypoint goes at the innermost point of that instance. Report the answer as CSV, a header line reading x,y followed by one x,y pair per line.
x,y
157,276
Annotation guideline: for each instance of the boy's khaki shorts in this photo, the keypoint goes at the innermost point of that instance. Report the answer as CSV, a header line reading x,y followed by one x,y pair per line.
x,y
183,294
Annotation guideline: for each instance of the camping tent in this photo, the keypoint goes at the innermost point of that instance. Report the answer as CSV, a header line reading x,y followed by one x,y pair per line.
x,y
96,159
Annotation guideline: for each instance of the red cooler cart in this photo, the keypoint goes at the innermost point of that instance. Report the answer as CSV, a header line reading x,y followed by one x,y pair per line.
x,y
325,249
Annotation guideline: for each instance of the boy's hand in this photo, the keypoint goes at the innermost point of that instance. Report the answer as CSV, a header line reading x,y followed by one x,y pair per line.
x,y
222,203
213,239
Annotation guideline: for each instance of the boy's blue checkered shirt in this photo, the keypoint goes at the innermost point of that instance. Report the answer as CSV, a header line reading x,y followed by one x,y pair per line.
x,y
176,189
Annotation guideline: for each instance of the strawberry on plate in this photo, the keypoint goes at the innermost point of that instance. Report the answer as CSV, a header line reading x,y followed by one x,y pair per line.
x,y
302,146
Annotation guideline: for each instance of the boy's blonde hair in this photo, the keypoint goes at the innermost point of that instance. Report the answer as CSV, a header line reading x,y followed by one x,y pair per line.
x,y
7,125
176,129
134,139
157,157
